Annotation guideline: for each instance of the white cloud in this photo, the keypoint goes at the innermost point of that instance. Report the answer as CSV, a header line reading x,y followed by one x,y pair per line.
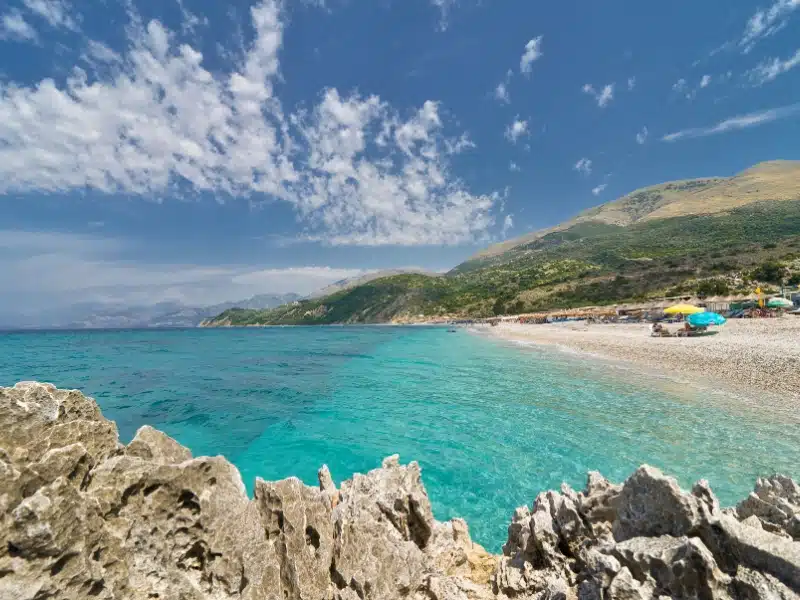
x,y
444,7
55,12
501,92
508,225
705,81
514,167
679,86
516,130
602,97
46,271
533,51
583,166
771,69
641,137
767,22
98,53
631,83
735,123
599,189
13,26
162,125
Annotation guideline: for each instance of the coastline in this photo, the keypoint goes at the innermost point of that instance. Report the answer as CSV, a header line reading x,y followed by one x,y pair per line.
x,y
754,358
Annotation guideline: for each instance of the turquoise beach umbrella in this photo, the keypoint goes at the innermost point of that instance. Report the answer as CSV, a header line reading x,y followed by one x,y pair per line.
x,y
705,319
780,303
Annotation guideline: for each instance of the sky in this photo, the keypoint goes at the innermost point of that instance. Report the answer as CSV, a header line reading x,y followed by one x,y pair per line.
x,y
199,151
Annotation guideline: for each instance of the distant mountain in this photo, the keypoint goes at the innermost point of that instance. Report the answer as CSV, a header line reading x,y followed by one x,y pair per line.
x,y
710,236
163,314
351,282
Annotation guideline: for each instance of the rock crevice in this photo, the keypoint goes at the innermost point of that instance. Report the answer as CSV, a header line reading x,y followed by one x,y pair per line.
x,y
84,516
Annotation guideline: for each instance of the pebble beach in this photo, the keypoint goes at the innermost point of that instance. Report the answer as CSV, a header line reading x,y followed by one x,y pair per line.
x,y
759,357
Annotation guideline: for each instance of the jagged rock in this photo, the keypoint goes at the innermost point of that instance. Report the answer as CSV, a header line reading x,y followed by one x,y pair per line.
x,y
734,544
652,504
775,501
153,445
752,585
625,587
82,516
680,567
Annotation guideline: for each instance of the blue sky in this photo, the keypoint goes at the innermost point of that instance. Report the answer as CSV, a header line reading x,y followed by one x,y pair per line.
x,y
200,151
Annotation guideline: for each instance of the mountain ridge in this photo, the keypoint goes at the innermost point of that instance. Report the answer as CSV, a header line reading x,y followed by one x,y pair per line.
x,y
711,235
707,195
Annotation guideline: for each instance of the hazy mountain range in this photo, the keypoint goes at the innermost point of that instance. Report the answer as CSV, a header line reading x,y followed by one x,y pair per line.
x,y
163,314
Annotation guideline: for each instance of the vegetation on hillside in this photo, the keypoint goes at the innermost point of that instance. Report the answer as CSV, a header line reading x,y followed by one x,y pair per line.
x,y
587,264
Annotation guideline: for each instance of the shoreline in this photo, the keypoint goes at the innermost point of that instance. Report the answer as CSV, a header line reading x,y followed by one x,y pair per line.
x,y
756,360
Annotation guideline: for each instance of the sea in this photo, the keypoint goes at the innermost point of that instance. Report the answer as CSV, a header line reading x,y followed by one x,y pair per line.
x,y
491,423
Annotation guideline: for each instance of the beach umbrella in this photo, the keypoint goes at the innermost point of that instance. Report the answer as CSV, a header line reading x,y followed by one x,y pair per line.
x,y
683,309
705,319
780,303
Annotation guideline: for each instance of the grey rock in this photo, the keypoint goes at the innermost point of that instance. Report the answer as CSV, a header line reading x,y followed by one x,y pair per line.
x,y
680,567
652,504
84,517
625,587
775,501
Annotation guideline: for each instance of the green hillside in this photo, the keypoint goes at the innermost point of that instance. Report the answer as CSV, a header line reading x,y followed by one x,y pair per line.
x,y
587,264
621,251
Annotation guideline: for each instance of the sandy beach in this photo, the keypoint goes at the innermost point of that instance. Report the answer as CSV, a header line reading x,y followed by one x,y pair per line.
x,y
754,356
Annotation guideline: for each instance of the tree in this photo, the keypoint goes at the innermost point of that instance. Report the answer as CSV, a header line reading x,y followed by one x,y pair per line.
x,y
769,272
713,287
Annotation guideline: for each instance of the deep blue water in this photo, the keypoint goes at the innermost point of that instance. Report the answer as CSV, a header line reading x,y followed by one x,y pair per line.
x,y
491,424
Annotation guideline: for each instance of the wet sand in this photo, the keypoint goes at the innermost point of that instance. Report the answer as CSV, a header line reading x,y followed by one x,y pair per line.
x,y
758,357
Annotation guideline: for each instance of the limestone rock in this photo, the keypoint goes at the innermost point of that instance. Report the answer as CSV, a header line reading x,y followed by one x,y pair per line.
x,y
775,501
652,504
153,445
680,567
84,517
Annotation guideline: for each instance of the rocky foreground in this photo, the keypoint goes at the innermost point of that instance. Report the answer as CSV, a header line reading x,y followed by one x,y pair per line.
x,y
84,516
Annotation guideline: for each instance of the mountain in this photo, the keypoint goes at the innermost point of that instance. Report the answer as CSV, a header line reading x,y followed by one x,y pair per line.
x,y
351,282
768,181
708,236
163,314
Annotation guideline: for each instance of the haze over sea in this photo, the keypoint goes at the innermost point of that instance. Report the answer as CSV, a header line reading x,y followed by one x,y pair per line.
x,y
492,425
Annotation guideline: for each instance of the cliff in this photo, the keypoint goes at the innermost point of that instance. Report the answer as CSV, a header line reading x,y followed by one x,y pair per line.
x,y
83,516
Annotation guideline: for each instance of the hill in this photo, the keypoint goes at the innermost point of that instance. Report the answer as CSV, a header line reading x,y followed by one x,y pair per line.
x,y
711,236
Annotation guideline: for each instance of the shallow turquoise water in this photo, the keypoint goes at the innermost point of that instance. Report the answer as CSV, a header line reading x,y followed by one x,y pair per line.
x,y
491,424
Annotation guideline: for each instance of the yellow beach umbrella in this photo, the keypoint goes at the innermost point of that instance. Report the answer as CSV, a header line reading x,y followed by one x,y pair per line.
x,y
683,309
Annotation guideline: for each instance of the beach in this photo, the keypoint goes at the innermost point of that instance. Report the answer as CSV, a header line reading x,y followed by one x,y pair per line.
x,y
759,357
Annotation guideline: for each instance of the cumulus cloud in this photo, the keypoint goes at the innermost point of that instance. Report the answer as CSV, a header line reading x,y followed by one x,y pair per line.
x,y
599,189
57,13
508,225
641,137
13,26
603,97
679,86
501,92
631,83
516,130
583,166
354,169
705,81
533,51
49,270
514,167
766,22
747,121
771,69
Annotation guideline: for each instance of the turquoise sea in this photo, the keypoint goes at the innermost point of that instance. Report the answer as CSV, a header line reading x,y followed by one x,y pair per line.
x,y
491,424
